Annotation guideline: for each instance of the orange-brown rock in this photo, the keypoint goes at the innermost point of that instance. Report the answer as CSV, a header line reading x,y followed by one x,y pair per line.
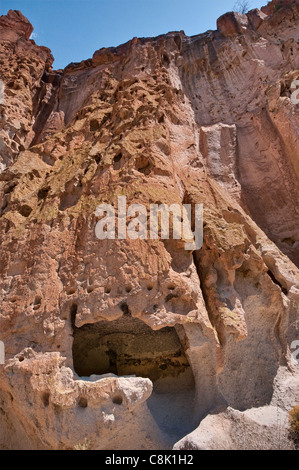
x,y
23,65
124,344
16,23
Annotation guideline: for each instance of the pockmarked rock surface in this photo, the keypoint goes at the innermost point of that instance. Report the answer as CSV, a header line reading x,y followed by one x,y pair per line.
x,y
140,344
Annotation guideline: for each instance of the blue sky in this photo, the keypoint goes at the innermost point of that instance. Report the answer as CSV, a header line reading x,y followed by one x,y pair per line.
x,y
74,29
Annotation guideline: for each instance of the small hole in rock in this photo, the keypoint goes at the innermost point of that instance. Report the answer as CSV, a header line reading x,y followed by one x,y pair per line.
x,y
25,211
43,193
46,398
169,297
125,309
21,358
117,400
10,188
143,165
37,303
73,312
289,241
117,161
71,291
82,402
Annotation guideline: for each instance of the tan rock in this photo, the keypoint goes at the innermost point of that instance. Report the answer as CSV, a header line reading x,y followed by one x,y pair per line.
x,y
172,119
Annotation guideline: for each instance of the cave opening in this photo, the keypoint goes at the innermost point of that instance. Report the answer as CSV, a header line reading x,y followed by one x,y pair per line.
x,y
129,347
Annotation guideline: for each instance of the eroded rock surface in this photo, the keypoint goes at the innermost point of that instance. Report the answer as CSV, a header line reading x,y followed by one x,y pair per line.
x,y
174,119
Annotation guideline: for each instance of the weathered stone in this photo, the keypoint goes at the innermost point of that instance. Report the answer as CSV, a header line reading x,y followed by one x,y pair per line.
x,y
172,119
232,24
14,20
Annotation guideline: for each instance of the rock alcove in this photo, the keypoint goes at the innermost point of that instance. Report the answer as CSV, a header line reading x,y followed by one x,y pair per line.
x,y
127,347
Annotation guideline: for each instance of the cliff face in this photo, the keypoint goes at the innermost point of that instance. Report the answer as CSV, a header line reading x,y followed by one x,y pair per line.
x,y
206,119
22,67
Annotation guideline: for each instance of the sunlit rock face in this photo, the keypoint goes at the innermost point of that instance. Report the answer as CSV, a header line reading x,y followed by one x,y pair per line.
x,y
133,344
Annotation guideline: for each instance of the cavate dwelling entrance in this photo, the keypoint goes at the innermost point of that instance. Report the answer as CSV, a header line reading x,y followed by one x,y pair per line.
x,y
128,346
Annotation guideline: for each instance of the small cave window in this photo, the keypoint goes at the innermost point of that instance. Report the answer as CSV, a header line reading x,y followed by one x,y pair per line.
x,y
25,210
82,402
117,161
143,165
46,398
43,193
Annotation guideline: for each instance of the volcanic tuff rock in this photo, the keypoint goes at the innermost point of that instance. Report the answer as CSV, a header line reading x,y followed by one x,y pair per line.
x,y
122,344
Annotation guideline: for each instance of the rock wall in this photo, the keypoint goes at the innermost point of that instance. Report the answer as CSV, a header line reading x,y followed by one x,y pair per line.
x,y
174,119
